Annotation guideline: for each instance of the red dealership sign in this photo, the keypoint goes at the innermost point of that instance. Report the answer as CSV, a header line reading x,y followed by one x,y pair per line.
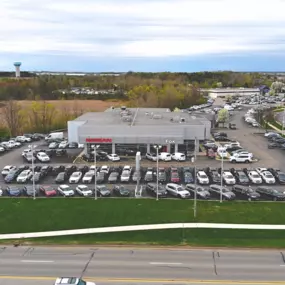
x,y
98,140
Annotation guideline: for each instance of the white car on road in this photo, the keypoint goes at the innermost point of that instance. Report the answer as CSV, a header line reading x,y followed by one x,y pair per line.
x,y
75,177
266,175
83,190
25,176
7,169
88,177
65,191
254,177
43,157
113,157
229,178
202,177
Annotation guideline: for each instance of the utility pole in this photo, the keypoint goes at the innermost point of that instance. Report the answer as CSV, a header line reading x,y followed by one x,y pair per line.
x,y
195,180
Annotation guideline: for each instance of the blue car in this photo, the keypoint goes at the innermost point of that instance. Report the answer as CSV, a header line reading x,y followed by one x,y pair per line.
x,y
14,191
12,175
188,177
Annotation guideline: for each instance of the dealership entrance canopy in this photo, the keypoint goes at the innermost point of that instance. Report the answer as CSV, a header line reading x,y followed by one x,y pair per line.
x,y
147,126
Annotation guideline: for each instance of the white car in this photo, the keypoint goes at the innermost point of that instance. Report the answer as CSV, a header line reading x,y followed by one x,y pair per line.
x,y
43,157
88,177
25,176
125,176
105,169
202,177
63,144
254,177
232,144
178,156
9,144
177,191
128,168
266,175
53,145
7,169
14,143
113,157
75,177
221,151
1,192
229,178
83,190
65,191
2,149
26,151
22,139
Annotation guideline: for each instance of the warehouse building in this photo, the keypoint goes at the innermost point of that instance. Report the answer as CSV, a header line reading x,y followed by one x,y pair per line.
x,y
225,92
139,129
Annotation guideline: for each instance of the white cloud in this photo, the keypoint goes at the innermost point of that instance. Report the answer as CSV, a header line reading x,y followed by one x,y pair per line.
x,y
141,28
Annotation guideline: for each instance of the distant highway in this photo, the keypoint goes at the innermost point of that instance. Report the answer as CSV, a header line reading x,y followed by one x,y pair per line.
x,y
41,265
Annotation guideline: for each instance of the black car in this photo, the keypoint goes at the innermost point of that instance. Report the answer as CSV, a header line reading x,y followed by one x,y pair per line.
x,y
272,145
121,191
162,175
113,177
278,174
270,193
46,170
60,152
233,148
151,189
73,145
61,177
83,169
240,176
246,191
57,169
120,150
30,191
70,169
201,192
214,175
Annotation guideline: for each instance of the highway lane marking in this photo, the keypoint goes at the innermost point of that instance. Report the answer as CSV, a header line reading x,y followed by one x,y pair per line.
x,y
37,261
142,280
165,263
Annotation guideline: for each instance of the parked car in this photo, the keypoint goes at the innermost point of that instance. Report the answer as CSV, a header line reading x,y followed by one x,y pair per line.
x,y
151,156
136,176
24,176
214,175
200,191
121,191
177,191
228,178
266,175
88,177
83,190
46,170
125,176
162,177
178,156
14,191
103,191
187,175
253,176
113,177
75,177
43,157
61,177
113,157
48,191
11,176
148,176
65,190
53,145
174,175
7,169
202,177
70,169
105,169
156,190
30,191
246,191
57,169
226,193
271,193
164,156
240,176
37,177
278,174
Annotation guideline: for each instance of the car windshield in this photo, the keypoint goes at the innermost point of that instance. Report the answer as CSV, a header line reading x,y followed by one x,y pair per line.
x,y
102,188
228,176
281,175
179,189
89,174
275,191
203,176
174,175
76,174
66,188
224,190
242,176
125,174
255,175
84,188
48,189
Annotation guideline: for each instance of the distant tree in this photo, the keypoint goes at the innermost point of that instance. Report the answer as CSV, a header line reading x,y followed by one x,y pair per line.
x,y
223,116
277,86
219,85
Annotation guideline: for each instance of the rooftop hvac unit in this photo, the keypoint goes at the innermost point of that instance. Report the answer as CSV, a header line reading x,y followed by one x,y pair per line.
x,y
156,116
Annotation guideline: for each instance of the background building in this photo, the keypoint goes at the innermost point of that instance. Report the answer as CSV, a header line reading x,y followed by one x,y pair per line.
x,y
224,92
17,67
139,128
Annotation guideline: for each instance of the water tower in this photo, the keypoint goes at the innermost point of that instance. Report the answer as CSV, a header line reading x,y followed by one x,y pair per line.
x,y
17,66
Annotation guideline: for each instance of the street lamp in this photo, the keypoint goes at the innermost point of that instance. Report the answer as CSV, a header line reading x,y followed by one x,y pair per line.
x,y
32,147
222,171
157,147
195,179
95,166
283,122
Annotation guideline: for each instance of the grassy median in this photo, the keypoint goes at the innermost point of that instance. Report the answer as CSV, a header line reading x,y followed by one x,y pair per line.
x,y
26,215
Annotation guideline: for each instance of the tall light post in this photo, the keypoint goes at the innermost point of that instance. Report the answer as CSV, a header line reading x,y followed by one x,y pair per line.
x,y
32,147
157,147
95,169
283,122
222,171
195,180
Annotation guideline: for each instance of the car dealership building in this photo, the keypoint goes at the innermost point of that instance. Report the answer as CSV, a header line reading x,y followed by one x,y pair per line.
x,y
139,128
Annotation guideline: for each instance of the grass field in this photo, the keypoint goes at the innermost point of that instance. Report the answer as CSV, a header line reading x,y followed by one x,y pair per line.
x,y
26,215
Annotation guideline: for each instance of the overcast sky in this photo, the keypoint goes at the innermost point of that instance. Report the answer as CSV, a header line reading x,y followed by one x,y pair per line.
x,y
142,35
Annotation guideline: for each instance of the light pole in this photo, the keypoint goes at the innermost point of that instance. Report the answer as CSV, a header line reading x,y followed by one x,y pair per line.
x,y
95,166
195,181
32,147
157,147
222,171
283,121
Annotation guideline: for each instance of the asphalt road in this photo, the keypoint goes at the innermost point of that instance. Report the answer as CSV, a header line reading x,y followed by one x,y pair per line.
x,y
138,265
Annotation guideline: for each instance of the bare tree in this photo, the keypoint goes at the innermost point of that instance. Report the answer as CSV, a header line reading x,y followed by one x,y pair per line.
x,y
12,117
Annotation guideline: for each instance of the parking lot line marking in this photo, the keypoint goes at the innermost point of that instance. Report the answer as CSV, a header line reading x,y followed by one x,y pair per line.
x,y
37,261
165,263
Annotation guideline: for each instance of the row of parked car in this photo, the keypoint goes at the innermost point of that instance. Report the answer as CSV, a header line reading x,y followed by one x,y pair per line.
x,y
275,140
126,174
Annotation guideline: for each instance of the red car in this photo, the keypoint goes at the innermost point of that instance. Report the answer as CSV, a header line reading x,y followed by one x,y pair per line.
x,y
48,191
174,177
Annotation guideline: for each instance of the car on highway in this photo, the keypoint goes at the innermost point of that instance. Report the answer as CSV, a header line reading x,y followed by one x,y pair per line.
x,y
65,190
103,191
7,169
88,177
246,191
278,174
266,175
240,176
121,191
113,157
226,193
200,191
75,177
202,177
48,191
43,157
72,281
271,193
84,190
14,191
177,191
24,176
156,190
